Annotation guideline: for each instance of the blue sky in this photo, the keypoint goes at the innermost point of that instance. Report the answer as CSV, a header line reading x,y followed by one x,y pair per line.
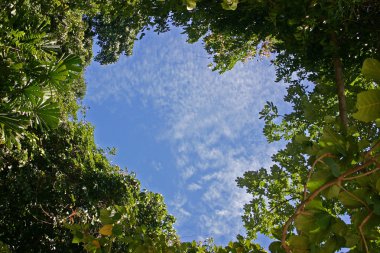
x,y
187,132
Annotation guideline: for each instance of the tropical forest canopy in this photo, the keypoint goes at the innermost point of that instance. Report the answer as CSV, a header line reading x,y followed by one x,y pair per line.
x,y
60,193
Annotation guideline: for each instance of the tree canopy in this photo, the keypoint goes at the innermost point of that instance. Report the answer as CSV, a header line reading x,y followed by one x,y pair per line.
x,y
60,193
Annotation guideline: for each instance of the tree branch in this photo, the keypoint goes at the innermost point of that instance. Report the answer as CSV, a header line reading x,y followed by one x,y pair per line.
x,y
339,80
315,194
319,159
362,224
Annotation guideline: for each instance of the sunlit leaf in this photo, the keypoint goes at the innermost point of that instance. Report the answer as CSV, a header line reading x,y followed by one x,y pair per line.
x,y
230,4
368,105
371,69
318,179
106,230
47,113
305,221
349,200
105,216
191,4
72,63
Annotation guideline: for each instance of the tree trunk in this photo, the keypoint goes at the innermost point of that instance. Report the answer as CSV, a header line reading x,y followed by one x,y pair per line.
x,y
339,80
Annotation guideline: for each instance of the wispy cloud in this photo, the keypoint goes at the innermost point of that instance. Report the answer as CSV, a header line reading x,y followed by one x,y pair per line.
x,y
210,120
194,187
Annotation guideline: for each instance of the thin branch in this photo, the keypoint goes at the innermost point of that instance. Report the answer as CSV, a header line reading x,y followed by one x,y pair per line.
x,y
362,224
319,159
299,210
356,169
356,198
315,194
51,216
280,203
42,221
362,175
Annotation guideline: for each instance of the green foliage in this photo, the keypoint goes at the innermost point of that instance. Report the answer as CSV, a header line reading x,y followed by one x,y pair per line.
x,y
126,229
58,192
368,105
36,81
371,69
368,102
342,180
118,231
68,179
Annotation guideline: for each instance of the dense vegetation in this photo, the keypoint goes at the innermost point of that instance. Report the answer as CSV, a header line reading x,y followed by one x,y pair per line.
x,y
58,191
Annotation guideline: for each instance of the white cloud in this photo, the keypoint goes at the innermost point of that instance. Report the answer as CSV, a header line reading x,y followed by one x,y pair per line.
x,y
194,187
210,120
187,172
179,203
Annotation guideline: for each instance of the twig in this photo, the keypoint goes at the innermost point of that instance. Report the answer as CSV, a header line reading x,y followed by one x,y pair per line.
x,y
46,213
356,198
319,159
315,194
46,222
280,203
366,219
361,175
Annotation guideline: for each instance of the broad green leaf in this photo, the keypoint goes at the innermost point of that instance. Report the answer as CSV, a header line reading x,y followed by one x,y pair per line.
x,y
322,221
73,63
371,69
58,73
47,113
377,121
275,247
315,204
332,142
105,216
348,200
334,167
318,179
106,230
305,221
299,243
332,192
33,90
13,122
368,105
